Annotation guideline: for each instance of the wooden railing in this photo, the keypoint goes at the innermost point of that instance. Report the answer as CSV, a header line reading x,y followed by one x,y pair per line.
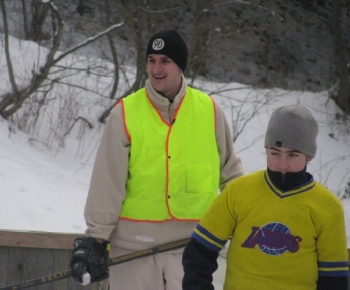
x,y
25,256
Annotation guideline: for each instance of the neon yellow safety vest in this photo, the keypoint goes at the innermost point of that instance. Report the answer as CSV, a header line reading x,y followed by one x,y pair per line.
x,y
174,169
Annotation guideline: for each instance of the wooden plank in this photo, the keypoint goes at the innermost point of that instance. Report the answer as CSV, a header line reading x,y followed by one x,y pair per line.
x,y
44,266
61,263
36,263
15,266
42,240
3,266
29,262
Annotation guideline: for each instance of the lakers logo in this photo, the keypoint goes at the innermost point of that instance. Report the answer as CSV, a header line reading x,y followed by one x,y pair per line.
x,y
273,239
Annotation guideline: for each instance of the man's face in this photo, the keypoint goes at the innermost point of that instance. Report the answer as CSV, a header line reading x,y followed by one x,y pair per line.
x,y
164,74
282,159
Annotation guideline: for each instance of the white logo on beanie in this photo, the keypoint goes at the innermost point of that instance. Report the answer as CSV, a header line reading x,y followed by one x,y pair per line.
x,y
158,44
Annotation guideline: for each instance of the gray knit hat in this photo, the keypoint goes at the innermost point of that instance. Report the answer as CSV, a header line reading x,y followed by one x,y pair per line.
x,y
171,44
294,127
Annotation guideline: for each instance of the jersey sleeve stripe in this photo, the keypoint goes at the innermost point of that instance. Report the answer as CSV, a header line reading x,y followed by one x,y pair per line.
x,y
340,273
333,269
207,239
210,235
205,242
332,264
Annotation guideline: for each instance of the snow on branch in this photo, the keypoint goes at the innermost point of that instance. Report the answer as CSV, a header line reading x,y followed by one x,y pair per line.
x,y
88,41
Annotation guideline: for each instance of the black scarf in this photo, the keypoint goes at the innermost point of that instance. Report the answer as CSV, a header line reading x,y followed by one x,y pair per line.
x,y
289,180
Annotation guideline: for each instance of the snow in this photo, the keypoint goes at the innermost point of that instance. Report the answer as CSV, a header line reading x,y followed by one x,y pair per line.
x,y
42,191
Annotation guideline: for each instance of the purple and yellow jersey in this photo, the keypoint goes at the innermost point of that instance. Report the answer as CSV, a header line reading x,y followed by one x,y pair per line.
x,y
279,240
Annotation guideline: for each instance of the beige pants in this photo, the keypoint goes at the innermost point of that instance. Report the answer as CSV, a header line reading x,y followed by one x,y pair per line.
x,y
157,272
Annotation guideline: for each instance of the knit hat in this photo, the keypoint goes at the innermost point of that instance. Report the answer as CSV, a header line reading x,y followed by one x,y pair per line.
x,y
294,127
171,44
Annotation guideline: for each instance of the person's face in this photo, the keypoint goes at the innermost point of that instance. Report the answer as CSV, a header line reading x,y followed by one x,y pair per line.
x,y
164,74
282,159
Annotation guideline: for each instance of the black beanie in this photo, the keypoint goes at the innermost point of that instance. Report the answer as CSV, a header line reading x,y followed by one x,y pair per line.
x,y
171,44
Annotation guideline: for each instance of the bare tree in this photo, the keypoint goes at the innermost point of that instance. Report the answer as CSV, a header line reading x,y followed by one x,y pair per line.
x,y
342,96
7,52
198,53
11,102
115,61
39,13
25,18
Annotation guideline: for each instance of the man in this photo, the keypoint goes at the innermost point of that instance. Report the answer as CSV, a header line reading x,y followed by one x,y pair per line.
x,y
164,153
287,231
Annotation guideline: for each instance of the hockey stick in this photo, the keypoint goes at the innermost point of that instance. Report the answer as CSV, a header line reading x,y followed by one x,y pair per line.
x,y
112,261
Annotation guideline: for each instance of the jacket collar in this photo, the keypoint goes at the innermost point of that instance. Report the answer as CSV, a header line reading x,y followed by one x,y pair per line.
x,y
290,183
159,100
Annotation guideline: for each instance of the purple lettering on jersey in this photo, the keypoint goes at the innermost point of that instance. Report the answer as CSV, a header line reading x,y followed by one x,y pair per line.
x,y
273,239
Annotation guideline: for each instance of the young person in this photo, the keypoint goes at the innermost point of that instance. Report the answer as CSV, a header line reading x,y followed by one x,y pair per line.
x,y
165,152
287,231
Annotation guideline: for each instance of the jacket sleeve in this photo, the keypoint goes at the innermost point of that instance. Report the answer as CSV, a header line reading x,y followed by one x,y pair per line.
x,y
199,263
108,179
230,163
332,283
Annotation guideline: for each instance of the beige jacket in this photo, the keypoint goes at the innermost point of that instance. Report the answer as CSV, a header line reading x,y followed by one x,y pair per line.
x,y
110,173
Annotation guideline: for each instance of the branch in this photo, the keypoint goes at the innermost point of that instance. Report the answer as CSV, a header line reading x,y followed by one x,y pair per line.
x,y
237,1
87,41
75,121
159,11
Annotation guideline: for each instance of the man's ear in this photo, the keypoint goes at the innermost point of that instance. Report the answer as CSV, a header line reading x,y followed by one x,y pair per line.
x,y
308,158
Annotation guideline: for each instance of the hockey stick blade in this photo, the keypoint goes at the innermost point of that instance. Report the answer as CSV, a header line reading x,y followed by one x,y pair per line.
x,y
112,261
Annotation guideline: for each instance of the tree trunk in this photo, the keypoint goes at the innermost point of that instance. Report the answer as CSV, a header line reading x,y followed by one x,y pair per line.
x,y
342,97
39,11
25,20
8,56
114,52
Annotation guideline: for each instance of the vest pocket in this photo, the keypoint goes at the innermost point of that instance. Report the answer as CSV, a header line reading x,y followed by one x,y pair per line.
x,y
199,178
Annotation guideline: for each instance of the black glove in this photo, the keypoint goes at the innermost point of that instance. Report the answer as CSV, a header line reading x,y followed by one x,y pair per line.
x,y
89,256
